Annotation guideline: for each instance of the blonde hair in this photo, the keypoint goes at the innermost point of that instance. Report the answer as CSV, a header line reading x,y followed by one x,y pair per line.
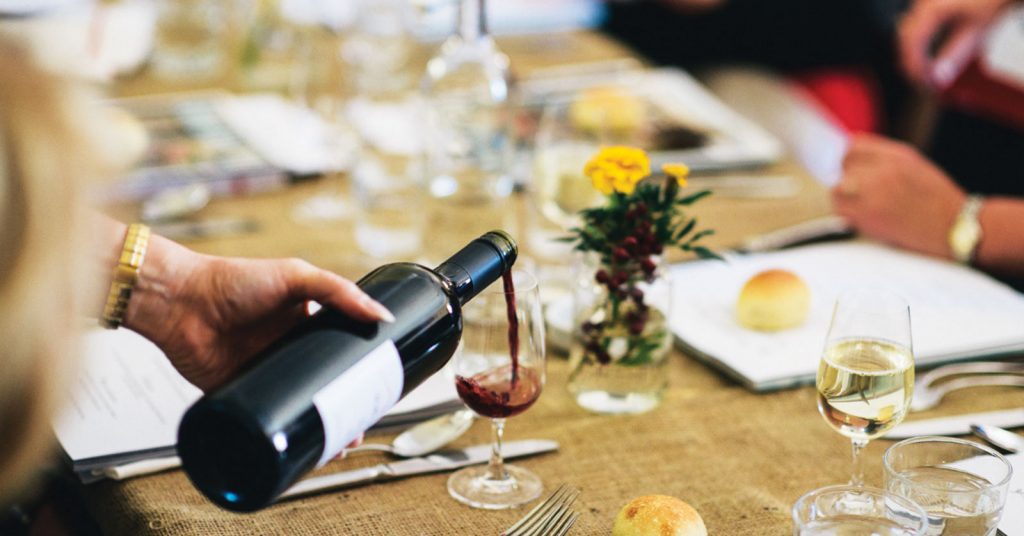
x,y
45,153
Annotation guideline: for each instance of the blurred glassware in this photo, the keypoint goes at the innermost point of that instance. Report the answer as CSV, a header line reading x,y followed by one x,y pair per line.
x,y
81,39
369,54
322,90
277,46
387,178
962,485
561,151
857,510
190,39
389,196
378,48
468,114
571,128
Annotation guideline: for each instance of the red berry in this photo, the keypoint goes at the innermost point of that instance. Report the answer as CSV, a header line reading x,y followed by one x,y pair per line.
x,y
641,208
657,248
648,265
601,276
620,254
636,328
629,242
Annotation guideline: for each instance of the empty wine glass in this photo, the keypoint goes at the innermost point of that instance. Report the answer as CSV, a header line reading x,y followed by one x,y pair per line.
x,y
866,375
499,374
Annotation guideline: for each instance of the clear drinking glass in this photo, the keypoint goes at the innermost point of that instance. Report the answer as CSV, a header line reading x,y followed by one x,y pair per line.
x,y
189,41
499,374
866,375
467,130
562,150
960,484
388,192
857,511
374,53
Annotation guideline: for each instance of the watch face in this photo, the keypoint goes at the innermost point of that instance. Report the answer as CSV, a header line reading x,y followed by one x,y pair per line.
x,y
964,238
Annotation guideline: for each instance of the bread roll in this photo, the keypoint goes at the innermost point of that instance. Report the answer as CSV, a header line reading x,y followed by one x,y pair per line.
x,y
606,110
773,300
658,515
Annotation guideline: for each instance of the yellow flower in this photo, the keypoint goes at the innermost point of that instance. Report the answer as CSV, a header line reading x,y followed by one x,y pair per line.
x,y
617,169
677,171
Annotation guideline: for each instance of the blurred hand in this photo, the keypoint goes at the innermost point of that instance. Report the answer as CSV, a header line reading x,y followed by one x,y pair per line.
x,y
960,24
210,315
890,192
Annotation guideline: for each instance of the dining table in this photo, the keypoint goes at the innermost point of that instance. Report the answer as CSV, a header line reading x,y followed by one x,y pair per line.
x,y
740,458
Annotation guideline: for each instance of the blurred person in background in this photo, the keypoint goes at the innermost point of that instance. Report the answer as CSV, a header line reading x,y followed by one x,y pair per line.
x,y
208,314
840,50
973,173
890,191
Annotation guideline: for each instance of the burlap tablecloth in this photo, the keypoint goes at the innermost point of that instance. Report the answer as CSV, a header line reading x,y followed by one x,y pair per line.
x,y
739,458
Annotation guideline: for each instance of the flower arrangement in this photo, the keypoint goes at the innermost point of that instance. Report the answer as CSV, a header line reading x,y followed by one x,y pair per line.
x,y
641,218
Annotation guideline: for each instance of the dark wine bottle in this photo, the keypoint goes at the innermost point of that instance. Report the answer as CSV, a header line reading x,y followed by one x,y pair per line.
x,y
315,390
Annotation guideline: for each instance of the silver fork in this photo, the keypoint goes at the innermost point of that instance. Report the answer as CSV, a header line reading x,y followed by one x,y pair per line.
x,y
552,517
927,395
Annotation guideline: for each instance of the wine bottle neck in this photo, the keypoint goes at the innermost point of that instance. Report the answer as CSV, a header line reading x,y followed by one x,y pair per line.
x,y
472,20
478,264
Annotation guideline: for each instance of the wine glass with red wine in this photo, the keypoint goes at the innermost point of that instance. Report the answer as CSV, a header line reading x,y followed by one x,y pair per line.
x,y
499,374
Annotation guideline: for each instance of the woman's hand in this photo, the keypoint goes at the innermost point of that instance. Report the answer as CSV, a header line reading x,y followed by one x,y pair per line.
x,y
210,315
959,24
891,193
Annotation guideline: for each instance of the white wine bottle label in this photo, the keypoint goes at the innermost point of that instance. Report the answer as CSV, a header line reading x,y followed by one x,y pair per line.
x,y
358,398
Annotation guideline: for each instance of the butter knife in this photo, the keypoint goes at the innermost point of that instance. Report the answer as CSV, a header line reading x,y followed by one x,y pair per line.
x,y
957,424
433,463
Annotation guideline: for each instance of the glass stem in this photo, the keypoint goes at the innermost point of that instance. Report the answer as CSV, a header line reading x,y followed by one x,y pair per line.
x,y
472,20
857,469
496,467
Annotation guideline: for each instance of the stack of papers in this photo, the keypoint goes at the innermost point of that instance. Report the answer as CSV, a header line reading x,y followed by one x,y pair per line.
x,y
127,402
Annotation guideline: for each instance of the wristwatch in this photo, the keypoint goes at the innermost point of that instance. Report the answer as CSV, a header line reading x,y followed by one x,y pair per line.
x,y
966,231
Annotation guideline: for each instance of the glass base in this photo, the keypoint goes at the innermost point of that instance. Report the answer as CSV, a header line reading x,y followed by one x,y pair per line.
x,y
471,486
618,403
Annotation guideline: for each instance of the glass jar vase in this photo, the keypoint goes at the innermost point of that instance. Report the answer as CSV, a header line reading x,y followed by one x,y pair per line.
x,y
621,339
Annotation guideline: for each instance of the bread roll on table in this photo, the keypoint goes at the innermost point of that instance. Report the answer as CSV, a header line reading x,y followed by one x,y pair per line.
x,y
658,515
773,300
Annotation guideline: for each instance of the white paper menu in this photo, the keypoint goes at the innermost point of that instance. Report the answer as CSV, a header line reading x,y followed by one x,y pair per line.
x,y
956,312
127,401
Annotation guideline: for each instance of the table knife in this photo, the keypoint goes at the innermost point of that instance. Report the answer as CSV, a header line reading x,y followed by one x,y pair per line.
x,y
957,424
433,463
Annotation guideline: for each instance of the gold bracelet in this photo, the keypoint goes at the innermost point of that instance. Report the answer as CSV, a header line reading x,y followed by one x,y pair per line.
x,y
126,274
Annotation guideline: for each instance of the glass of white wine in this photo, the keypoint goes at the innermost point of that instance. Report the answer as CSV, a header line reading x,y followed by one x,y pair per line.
x,y
866,375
